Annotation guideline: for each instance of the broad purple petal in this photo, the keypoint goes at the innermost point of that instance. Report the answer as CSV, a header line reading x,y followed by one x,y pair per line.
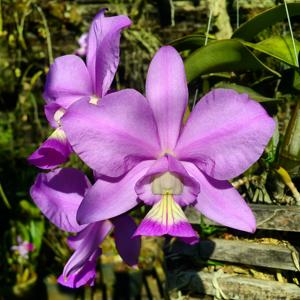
x,y
115,135
167,93
53,152
104,49
106,200
128,246
68,80
225,134
58,195
87,246
221,202
165,164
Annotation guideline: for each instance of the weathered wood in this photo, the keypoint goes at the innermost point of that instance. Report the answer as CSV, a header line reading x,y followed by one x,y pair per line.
x,y
238,287
270,217
241,252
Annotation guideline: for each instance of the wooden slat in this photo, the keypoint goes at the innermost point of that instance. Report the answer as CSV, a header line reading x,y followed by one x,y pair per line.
x,y
249,253
241,252
271,217
237,287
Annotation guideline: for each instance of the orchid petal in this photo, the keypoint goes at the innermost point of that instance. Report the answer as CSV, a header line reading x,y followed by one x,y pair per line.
x,y
115,135
167,93
106,200
93,235
166,217
85,276
51,110
53,152
68,80
103,50
221,202
165,164
58,195
225,134
128,246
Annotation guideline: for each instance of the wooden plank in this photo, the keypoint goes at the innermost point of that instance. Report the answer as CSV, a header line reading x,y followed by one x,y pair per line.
x,y
249,253
242,252
270,217
236,286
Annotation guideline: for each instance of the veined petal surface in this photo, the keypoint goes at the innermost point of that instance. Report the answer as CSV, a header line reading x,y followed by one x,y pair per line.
x,y
103,50
106,200
68,80
58,195
114,136
220,201
225,134
167,93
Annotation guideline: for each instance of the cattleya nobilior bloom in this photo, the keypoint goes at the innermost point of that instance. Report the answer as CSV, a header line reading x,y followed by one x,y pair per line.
x,y
147,155
69,79
58,194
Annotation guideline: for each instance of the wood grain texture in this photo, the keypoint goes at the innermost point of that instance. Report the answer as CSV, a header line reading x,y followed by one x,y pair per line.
x,y
238,287
239,252
270,217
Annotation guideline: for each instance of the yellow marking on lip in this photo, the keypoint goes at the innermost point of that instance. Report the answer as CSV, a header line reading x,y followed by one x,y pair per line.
x,y
166,212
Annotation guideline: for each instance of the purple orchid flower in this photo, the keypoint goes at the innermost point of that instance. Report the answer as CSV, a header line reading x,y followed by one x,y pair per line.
x,y
152,158
69,79
83,43
58,194
23,248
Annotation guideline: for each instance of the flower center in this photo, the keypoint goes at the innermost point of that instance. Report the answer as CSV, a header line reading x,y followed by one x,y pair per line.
x,y
167,183
94,100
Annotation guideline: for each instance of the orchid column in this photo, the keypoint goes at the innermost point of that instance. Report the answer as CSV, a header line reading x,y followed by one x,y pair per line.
x,y
147,156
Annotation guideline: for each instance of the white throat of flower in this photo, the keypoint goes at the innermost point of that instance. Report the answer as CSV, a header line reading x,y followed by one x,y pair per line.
x,y
166,212
167,183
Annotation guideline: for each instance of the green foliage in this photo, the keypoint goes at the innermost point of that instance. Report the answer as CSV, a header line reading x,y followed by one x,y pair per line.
x,y
251,28
211,58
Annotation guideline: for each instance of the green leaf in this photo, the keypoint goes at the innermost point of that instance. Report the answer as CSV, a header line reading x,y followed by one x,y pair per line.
x,y
189,42
30,209
223,56
244,89
278,47
37,231
264,20
296,81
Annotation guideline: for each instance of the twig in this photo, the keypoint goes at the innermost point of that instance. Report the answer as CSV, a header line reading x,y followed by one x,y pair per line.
x,y
4,198
291,31
288,181
48,36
